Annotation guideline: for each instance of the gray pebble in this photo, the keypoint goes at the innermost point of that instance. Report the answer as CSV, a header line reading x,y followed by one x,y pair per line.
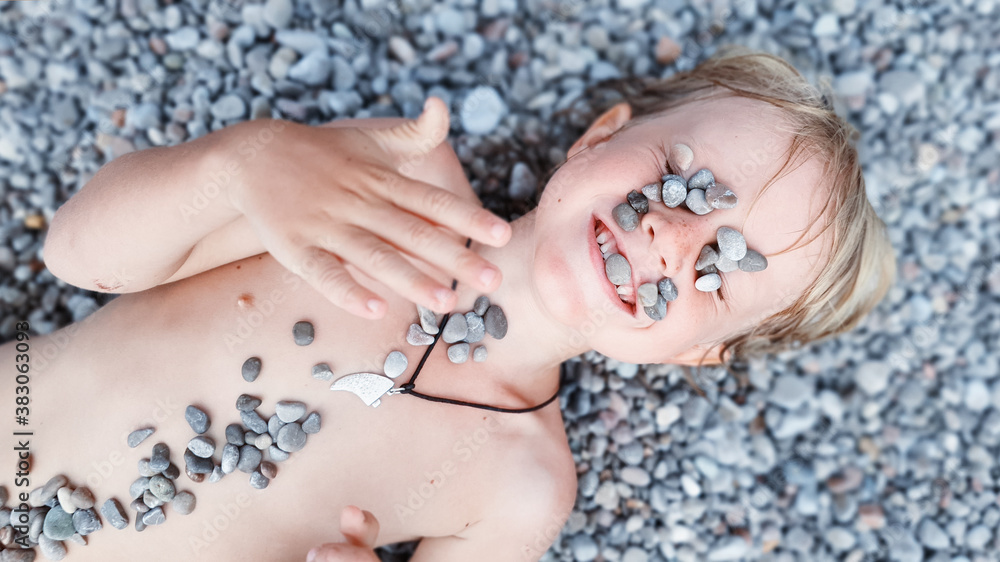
x,y
39,496
725,265
707,257
303,333
659,310
3,496
417,336
274,424
145,470
139,525
638,201
154,516
479,354
278,13
625,216
428,319
617,269
720,196
731,243
249,437
276,454
696,202
85,521
496,322
674,190
254,422
171,472
312,423
291,438
647,294
197,465
234,434
229,106
477,327
289,411
752,262
160,458
114,514
202,446
667,289
312,69
230,456
246,403
395,364
58,525
35,523
184,503
481,110
455,329
323,372
249,458
150,499
64,496
481,305
137,487
251,369
51,549
162,488
702,179
263,441
138,436
83,498
458,353
216,475
258,480
652,192
709,282
197,419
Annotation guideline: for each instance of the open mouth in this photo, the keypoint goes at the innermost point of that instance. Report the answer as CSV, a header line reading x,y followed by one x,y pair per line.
x,y
606,245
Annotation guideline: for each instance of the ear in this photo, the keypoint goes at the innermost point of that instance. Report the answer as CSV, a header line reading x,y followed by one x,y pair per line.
x,y
693,355
603,127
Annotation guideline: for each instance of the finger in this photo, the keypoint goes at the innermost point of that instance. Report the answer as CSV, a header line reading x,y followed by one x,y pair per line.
x,y
326,273
383,261
433,244
415,137
443,207
359,527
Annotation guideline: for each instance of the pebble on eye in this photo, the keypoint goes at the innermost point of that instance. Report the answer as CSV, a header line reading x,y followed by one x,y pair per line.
x,y
696,202
731,243
707,257
638,201
720,197
709,282
674,190
752,262
702,179
682,156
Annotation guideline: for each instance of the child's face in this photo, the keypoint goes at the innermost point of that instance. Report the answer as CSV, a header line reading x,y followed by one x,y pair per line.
x,y
736,139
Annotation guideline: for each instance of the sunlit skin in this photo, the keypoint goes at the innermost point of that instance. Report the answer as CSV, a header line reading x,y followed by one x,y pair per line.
x,y
552,291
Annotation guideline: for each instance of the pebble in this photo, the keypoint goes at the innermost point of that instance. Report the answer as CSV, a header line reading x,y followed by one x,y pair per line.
x,y
682,156
254,421
160,458
652,192
258,480
268,469
673,191
720,197
481,110
752,262
244,403
709,282
523,183
278,13
216,475
323,372
183,503
659,310
41,495
150,499
731,243
707,257
313,69
932,535
702,179
455,329
197,419
481,305
154,516
416,336
138,436
197,465
85,521
728,548
63,495
230,457
250,458
648,294
872,377
617,269
495,322
289,411
303,333
312,423
626,217
145,469
114,514
476,326
251,369
696,202
234,434
162,488
458,353
138,486
291,438
50,549
276,454
638,201
263,441
428,319
202,446
479,354
58,525
667,289
139,525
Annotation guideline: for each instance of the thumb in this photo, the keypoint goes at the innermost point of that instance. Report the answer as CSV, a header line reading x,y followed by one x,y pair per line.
x,y
358,526
420,135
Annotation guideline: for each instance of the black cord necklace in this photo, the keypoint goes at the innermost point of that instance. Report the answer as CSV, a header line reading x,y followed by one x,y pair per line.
x,y
408,387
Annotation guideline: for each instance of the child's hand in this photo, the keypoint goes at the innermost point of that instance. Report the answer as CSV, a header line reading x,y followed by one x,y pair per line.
x,y
360,529
321,197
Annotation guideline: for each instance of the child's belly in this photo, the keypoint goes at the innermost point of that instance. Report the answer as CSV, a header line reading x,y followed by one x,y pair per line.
x,y
143,358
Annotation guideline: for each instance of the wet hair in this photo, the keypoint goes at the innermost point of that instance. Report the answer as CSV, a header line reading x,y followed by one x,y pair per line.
x,y
861,264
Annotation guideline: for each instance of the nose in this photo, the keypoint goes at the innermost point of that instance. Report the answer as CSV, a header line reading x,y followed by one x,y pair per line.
x,y
669,241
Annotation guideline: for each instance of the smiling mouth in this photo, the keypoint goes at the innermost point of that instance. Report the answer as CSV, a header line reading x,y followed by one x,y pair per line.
x,y
608,245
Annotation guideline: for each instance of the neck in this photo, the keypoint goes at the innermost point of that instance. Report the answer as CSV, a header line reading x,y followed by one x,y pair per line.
x,y
525,362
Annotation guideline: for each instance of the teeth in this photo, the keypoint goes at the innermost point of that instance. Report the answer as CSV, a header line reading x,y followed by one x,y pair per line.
x,y
602,238
606,248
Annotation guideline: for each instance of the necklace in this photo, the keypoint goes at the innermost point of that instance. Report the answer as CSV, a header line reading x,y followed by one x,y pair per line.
x,y
371,387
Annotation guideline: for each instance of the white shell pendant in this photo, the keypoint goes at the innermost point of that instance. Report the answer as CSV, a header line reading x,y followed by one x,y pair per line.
x,y
369,387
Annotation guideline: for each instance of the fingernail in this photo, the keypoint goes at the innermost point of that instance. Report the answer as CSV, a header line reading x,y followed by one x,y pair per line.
x,y
498,230
442,296
373,305
488,275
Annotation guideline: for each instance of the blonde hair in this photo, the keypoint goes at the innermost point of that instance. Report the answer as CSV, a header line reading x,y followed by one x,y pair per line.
x,y
861,264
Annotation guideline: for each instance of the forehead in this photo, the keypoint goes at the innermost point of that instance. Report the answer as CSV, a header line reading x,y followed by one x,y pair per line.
x,y
745,143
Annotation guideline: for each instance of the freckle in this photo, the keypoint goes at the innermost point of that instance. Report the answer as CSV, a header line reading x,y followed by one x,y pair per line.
x,y
559,200
245,301
238,266
432,481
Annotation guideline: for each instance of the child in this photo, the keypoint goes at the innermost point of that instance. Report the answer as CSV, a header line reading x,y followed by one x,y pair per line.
x,y
223,244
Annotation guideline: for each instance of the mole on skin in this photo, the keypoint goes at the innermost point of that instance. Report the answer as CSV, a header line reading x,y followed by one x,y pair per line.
x,y
245,301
